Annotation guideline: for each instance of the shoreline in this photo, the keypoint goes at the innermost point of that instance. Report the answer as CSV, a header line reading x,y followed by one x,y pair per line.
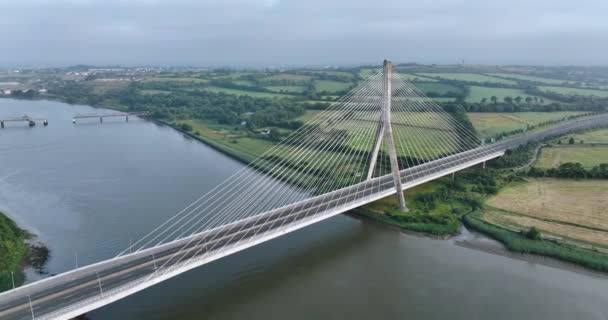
x,y
29,255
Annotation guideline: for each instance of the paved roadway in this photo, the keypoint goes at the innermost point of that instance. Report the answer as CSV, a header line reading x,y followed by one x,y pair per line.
x,y
81,290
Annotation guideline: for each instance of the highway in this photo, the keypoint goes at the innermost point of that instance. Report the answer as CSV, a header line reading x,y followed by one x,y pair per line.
x,y
78,291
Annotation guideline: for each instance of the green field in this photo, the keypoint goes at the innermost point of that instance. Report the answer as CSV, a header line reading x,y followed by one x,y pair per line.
x,y
588,156
287,77
289,89
150,91
244,83
365,73
308,115
176,79
470,77
477,93
416,78
575,91
439,88
517,76
489,124
245,92
238,144
331,86
588,137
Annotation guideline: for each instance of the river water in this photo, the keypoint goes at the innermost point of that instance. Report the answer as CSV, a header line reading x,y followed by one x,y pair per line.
x,y
89,189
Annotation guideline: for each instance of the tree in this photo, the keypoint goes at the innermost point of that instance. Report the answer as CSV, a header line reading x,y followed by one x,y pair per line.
x,y
484,100
528,100
508,100
518,99
494,99
274,134
571,140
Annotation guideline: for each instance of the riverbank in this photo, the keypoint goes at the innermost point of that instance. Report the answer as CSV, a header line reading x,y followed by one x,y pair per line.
x,y
18,250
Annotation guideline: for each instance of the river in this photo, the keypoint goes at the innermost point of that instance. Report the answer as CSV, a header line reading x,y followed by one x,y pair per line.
x,y
87,190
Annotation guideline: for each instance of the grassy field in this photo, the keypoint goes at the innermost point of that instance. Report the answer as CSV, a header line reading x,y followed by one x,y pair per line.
x,y
516,76
439,88
176,79
588,156
595,136
245,148
572,209
245,92
416,78
438,221
489,124
287,77
575,91
331,86
470,77
290,89
477,93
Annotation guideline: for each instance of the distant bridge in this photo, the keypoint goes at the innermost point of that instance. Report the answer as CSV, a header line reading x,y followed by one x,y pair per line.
x,y
331,165
25,118
108,115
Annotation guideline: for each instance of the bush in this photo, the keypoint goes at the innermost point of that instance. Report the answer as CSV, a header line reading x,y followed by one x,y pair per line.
x,y
533,234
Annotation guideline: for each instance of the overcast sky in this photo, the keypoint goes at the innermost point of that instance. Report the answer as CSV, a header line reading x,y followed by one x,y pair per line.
x,y
302,32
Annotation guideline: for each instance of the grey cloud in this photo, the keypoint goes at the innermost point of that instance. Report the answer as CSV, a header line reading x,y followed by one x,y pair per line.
x,y
304,32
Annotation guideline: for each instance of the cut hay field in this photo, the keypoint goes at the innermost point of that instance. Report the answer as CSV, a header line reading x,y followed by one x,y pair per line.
x,y
477,93
588,156
575,91
489,124
572,209
469,77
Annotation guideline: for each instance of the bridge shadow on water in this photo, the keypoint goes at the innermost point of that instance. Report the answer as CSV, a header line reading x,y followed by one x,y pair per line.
x,y
210,290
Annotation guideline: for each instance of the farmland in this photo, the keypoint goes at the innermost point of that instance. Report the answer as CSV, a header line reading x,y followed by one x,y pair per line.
x,y
516,76
575,91
588,156
469,77
572,209
331,86
489,124
478,93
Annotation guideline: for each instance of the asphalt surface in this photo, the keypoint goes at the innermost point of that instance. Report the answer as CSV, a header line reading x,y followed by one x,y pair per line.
x,y
81,287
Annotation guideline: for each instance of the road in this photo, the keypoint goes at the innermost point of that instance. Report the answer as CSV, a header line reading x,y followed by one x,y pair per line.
x,y
72,293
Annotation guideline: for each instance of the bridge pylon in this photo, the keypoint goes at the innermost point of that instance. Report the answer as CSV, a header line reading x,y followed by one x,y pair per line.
x,y
385,130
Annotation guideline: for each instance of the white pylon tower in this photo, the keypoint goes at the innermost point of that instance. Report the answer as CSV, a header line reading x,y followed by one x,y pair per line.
x,y
385,129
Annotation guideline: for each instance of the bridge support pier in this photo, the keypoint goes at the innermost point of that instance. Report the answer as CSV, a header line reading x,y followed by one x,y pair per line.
x,y
388,132
2,124
100,119
127,117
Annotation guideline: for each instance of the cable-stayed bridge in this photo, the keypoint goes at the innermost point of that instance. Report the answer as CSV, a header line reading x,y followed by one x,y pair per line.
x,y
379,139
